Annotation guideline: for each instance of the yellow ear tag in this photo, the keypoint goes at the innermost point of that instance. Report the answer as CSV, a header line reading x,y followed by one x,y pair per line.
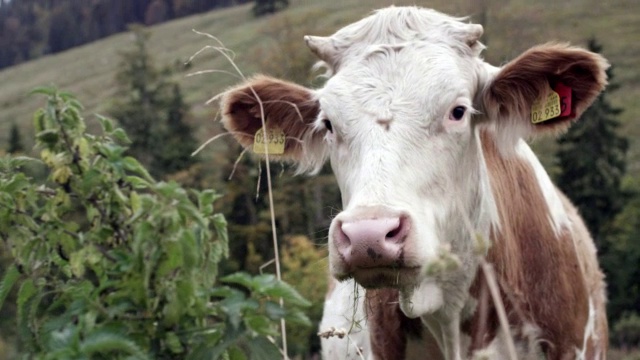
x,y
543,110
275,141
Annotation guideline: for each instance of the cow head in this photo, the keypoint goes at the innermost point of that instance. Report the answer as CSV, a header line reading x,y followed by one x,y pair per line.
x,y
400,120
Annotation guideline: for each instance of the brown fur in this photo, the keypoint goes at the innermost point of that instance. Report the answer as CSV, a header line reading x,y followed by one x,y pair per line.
x,y
545,279
594,279
388,326
241,113
528,77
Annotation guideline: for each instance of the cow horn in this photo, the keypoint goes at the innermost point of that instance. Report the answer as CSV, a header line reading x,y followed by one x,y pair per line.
x,y
474,33
321,46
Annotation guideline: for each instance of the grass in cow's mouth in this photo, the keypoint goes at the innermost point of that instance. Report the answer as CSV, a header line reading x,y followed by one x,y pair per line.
x,y
445,261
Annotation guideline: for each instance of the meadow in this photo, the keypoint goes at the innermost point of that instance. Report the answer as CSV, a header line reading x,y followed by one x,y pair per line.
x,y
511,26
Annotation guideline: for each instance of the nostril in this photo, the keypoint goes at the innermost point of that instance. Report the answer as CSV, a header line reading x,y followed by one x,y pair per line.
x,y
340,236
399,233
393,233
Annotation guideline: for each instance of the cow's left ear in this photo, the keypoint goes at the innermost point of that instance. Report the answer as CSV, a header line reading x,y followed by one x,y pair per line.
x,y
508,99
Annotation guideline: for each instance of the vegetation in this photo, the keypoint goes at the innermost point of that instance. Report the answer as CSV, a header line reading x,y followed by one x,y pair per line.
x,y
622,257
110,263
151,109
626,332
265,7
31,28
15,140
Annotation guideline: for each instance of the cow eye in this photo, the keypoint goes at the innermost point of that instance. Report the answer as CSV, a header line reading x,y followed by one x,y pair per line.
x,y
327,124
457,113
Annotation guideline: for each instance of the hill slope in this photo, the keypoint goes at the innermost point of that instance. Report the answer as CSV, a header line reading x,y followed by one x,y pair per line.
x,y
511,26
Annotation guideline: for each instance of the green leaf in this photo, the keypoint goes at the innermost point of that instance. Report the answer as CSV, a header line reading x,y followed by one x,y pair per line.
x,y
236,354
15,184
240,278
268,285
106,341
48,136
262,349
220,223
76,260
26,295
297,317
173,343
216,350
131,164
38,121
260,324
43,90
106,123
138,182
274,310
121,136
8,280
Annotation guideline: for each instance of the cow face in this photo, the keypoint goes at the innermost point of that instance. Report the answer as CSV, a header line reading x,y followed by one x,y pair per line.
x,y
397,123
400,119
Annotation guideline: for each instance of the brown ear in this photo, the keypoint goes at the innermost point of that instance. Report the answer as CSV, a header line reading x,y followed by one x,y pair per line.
x,y
286,106
509,97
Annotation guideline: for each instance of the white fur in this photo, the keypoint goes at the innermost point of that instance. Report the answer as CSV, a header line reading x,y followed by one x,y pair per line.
x,y
409,77
395,78
344,309
558,216
589,332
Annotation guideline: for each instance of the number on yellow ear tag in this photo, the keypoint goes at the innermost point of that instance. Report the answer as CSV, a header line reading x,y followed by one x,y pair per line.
x,y
275,141
547,109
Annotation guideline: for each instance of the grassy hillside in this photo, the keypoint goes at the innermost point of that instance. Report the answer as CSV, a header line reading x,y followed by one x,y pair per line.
x,y
511,26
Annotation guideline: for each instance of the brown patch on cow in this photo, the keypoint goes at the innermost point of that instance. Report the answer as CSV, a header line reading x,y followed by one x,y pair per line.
x,y
599,342
389,327
540,273
287,106
529,77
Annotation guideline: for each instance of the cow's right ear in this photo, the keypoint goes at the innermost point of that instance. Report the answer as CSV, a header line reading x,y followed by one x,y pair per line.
x,y
286,106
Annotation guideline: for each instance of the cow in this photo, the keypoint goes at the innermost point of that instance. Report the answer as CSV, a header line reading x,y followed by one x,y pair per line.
x,y
427,143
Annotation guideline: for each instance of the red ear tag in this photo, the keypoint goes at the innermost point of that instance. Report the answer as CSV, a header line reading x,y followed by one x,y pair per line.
x,y
566,109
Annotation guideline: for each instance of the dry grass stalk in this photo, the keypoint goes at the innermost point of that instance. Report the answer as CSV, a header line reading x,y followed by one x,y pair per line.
x,y
229,55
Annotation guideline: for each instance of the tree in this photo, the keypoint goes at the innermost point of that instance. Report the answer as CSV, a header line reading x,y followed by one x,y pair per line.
x,y
592,160
15,141
110,264
622,258
150,107
266,7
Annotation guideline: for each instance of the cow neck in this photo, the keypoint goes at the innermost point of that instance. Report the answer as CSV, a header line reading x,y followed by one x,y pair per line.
x,y
537,267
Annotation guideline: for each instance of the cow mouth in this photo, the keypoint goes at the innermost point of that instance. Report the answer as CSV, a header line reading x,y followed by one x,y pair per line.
x,y
384,277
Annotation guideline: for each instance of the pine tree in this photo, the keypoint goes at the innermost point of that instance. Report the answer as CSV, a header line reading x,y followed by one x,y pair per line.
x,y
15,141
179,142
265,7
152,111
592,159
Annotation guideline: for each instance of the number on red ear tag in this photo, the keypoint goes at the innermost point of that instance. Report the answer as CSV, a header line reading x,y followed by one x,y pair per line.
x,y
565,99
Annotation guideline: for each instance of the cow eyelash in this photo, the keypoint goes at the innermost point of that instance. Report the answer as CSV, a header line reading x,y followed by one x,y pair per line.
x,y
457,113
327,125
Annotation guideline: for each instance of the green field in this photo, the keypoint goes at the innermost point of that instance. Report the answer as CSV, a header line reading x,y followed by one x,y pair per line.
x,y
511,27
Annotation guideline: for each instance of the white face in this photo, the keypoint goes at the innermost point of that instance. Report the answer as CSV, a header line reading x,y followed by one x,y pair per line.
x,y
398,129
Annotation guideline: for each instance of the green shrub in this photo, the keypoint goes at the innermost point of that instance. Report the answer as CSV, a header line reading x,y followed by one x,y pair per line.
x,y
109,263
626,331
